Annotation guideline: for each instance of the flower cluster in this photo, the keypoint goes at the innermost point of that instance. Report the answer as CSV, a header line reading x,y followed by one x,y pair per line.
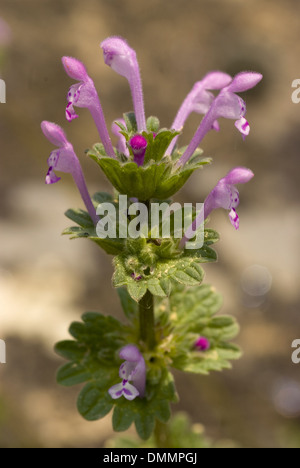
x,y
214,97
122,58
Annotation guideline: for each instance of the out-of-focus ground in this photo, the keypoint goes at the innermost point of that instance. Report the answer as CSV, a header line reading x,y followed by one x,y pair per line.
x,y
46,281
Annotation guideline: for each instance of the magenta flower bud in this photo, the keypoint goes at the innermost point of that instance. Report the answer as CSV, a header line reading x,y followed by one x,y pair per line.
x,y
84,94
228,105
132,370
122,59
64,159
121,144
202,343
138,144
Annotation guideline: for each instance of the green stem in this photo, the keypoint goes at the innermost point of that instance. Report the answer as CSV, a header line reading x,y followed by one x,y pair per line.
x,y
146,309
147,322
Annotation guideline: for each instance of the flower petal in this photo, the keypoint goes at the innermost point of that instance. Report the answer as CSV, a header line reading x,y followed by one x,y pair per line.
x,y
234,219
130,392
130,353
139,377
118,55
122,59
64,160
228,105
127,369
74,68
54,133
51,177
216,80
116,391
243,126
238,175
244,81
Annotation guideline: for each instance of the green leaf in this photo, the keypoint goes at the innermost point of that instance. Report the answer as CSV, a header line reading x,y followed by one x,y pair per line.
x,y
72,374
144,424
110,246
160,180
70,349
191,315
137,290
152,124
87,229
144,411
163,412
122,419
129,306
157,146
80,217
130,121
94,403
185,270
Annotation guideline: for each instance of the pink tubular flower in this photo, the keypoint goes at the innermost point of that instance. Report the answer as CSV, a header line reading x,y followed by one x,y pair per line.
x,y
202,343
121,144
132,370
138,144
199,100
228,105
64,159
122,59
84,94
224,195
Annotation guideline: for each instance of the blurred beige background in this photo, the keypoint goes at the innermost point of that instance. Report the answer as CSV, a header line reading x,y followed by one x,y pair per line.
x,y
46,281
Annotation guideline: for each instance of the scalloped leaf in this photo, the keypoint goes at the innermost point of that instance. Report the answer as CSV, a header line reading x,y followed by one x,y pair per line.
x,y
191,314
185,270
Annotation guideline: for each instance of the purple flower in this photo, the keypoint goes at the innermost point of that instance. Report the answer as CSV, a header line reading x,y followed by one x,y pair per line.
x,y
121,144
132,370
122,58
138,144
64,159
202,343
199,100
228,105
84,94
224,195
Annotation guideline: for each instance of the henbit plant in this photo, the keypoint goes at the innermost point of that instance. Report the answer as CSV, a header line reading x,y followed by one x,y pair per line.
x,y
171,319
